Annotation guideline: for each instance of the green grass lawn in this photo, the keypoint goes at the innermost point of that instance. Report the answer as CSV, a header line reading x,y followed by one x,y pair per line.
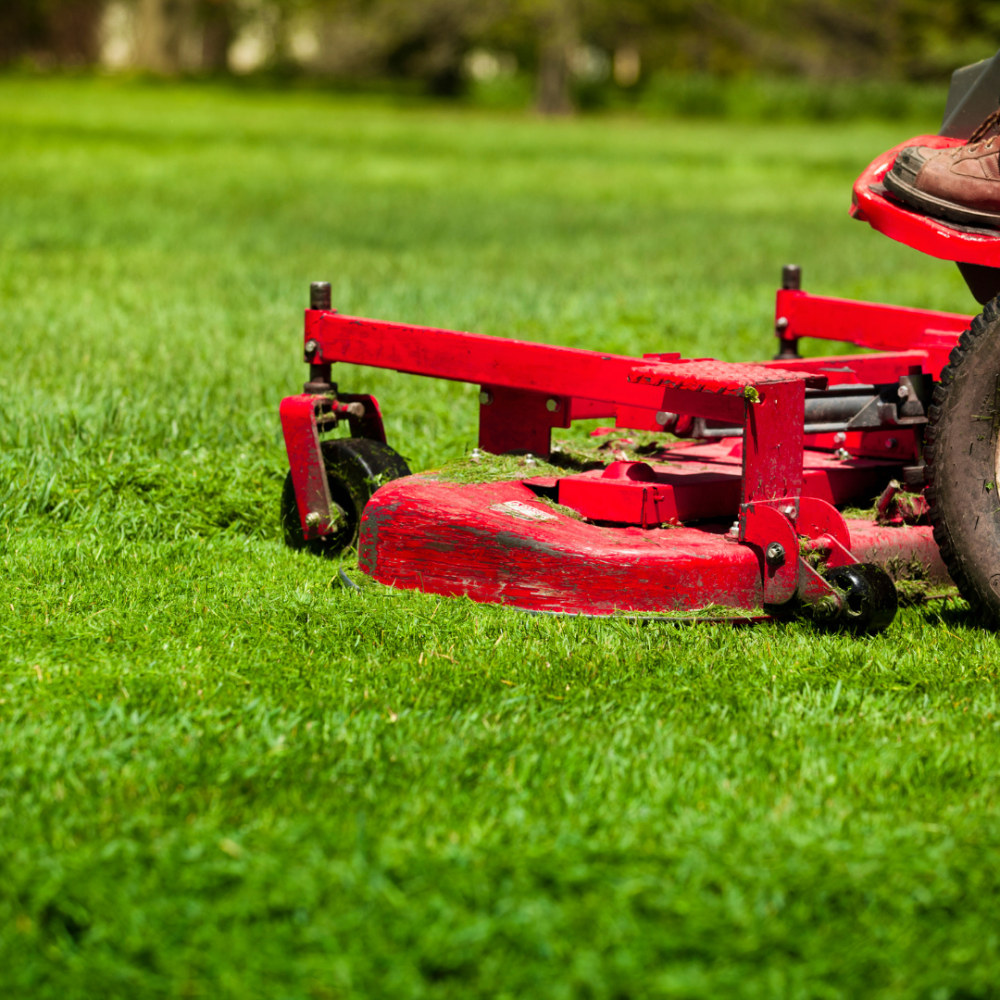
x,y
223,775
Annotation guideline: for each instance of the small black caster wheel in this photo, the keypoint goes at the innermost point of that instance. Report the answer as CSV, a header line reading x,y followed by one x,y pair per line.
x,y
869,597
355,469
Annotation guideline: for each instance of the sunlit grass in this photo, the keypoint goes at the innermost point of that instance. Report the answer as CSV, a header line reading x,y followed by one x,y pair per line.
x,y
225,775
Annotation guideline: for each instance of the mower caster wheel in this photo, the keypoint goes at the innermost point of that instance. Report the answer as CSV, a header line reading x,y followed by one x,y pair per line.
x,y
869,597
355,469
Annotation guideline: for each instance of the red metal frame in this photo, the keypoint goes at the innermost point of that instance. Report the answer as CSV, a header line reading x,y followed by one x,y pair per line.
x,y
775,483
910,338
302,418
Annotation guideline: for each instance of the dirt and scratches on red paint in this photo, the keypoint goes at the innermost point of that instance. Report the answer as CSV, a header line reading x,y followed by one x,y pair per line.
x,y
522,511
450,539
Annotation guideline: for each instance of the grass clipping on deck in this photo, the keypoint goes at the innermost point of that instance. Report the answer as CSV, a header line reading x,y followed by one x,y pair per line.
x,y
568,458
482,467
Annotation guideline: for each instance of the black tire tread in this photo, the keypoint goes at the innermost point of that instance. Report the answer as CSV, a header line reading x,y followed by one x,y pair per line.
x,y
969,340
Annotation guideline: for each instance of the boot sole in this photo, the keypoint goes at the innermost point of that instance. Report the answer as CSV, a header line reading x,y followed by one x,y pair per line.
x,y
938,206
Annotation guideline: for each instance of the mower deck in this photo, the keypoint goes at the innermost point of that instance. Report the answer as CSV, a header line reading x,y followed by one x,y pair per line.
x,y
503,543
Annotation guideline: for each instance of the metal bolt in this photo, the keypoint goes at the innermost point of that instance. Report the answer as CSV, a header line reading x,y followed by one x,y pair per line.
x,y
664,417
312,519
903,391
552,405
734,529
485,398
311,348
775,554
839,438
319,295
781,324
890,443
791,277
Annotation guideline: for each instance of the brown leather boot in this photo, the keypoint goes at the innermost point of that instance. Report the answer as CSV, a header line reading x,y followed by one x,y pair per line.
x,y
962,183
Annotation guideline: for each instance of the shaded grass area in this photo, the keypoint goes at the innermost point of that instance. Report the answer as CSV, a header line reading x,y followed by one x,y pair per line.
x,y
224,774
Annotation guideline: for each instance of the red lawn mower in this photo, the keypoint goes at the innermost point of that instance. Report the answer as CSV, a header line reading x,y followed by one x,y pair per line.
x,y
740,505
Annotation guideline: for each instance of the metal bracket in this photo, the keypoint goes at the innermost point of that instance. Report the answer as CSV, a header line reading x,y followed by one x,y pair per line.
x,y
302,420
772,536
305,458
770,525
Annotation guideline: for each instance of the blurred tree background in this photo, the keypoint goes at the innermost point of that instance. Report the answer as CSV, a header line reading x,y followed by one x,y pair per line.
x,y
560,54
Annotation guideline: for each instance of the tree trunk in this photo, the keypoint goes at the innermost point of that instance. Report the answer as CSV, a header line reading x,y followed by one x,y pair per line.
x,y
160,29
559,33
217,27
73,30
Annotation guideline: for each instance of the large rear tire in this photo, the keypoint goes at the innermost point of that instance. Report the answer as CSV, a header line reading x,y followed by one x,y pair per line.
x,y
962,449
355,469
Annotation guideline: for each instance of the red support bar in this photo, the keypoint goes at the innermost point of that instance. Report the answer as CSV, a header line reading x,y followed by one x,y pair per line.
x,y
477,358
869,324
867,369
772,443
529,388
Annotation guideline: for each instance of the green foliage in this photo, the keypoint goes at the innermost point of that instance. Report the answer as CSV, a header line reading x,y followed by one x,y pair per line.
x,y
63,31
773,99
425,43
224,774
